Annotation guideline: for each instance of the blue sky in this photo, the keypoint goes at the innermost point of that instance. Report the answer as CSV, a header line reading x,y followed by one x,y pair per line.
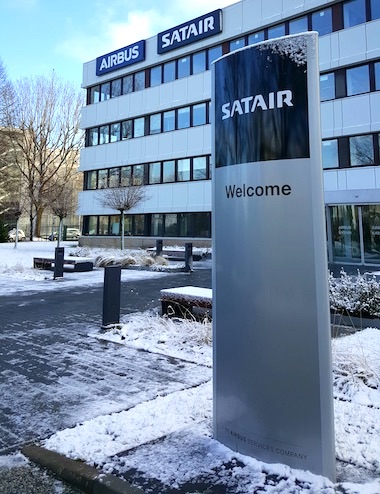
x,y
38,36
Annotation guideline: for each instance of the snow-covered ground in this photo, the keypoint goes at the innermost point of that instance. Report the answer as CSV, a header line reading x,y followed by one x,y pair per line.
x,y
184,418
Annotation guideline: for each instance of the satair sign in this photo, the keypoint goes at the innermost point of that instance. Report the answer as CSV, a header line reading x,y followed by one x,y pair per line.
x,y
189,32
271,327
120,58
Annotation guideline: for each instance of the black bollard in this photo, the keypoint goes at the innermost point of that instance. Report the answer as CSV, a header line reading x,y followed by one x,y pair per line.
x,y
111,295
159,245
58,262
188,257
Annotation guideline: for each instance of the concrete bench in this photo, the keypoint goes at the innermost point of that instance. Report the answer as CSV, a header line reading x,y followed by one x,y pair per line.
x,y
185,301
176,254
77,264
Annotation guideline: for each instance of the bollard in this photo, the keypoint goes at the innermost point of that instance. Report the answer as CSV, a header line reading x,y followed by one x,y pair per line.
x,y
111,295
188,257
58,262
159,244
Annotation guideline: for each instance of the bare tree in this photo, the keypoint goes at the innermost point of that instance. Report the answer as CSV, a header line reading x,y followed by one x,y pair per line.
x,y
46,138
63,203
122,199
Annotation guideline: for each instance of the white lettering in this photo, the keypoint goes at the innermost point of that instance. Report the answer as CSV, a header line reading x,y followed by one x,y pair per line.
x,y
165,40
113,60
258,101
104,64
270,102
188,31
209,24
135,51
284,97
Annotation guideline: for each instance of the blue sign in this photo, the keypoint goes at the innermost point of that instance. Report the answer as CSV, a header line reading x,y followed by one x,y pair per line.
x,y
189,32
121,58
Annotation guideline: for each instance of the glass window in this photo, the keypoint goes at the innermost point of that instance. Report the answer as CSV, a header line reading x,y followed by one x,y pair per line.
x,y
157,225
105,91
104,134
183,118
115,225
330,157
127,84
199,114
256,37
170,229
155,75
345,233
185,223
375,9
377,75
139,80
361,150
126,129
94,94
353,13
138,127
327,86
115,88
128,225
138,174
202,225
155,173
237,43
114,177
169,71
91,180
321,21
125,176
371,233
169,120
138,224
168,171
103,225
183,170
155,123
200,168
102,179
299,25
213,54
92,222
199,62
115,132
183,67
93,136
357,80
276,31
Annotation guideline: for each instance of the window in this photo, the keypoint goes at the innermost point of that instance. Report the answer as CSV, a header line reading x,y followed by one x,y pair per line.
x,y
202,225
199,62
104,136
138,224
200,168
330,157
345,233
155,76
115,132
94,94
157,225
375,9
183,67
276,31
327,86
299,25
169,120
139,80
256,37
361,150
125,176
183,118
169,71
102,179
138,175
116,88
371,233
236,44
155,124
114,177
128,225
357,80
185,223
115,225
91,180
93,136
138,130
128,84
213,54
103,225
126,129
105,91
199,114
92,225
183,170
155,173
353,13
377,76
170,227
321,21
168,171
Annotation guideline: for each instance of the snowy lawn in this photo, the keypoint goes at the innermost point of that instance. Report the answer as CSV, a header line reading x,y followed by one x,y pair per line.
x,y
170,438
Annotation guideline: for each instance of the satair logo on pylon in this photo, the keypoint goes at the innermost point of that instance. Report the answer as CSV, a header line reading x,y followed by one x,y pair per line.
x,y
249,104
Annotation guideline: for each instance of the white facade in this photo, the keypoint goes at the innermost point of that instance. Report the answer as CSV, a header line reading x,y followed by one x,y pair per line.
x,y
349,54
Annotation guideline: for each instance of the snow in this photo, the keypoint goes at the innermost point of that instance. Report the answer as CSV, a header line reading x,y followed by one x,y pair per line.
x,y
169,437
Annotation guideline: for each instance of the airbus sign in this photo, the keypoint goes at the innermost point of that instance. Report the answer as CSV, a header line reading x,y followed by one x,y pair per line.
x,y
189,32
121,58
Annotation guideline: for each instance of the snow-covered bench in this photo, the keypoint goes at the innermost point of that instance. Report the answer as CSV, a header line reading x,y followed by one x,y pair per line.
x,y
181,301
77,264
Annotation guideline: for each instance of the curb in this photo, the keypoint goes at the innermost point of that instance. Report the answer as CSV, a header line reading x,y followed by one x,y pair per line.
x,y
78,473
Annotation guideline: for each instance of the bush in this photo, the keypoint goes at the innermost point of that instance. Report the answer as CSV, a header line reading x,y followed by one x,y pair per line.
x,y
3,233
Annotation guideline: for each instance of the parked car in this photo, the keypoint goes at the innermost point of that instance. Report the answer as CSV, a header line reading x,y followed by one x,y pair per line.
x,y
12,235
71,234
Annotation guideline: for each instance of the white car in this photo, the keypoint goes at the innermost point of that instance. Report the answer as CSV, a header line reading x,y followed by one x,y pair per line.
x,y
71,234
12,235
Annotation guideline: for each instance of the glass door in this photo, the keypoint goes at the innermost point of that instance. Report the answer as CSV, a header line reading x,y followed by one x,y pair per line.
x,y
345,234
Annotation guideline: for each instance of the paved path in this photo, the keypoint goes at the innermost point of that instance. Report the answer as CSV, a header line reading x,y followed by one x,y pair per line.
x,y
53,375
